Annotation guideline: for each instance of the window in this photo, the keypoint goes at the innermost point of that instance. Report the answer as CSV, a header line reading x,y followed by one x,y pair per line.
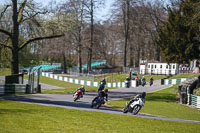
x,y
155,66
167,66
149,66
160,66
152,66
173,66
170,66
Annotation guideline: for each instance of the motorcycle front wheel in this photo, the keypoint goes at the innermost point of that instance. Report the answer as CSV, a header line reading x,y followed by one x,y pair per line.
x,y
125,109
136,109
76,98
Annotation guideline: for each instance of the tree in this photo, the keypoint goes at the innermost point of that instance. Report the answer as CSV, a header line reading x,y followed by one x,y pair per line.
x,y
126,21
178,36
19,15
157,14
91,5
77,10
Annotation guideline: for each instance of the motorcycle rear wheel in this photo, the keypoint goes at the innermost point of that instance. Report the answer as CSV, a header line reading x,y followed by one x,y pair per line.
x,y
98,105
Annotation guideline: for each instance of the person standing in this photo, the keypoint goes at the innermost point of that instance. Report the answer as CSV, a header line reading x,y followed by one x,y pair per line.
x,y
137,81
151,81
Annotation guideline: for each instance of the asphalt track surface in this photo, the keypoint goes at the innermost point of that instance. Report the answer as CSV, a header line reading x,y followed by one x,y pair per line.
x,y
66,101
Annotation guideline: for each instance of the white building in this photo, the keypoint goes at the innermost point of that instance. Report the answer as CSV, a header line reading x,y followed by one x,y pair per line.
x,y
159,68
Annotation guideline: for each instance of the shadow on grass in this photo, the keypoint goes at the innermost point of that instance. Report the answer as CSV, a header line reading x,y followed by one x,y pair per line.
x,y
163,97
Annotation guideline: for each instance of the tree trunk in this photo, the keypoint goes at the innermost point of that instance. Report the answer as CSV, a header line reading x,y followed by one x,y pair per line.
x,y
131,55
158,53
64,63
137,61
15,62
126,28
80,58
80,41
89,60
91,36
15,38
131,61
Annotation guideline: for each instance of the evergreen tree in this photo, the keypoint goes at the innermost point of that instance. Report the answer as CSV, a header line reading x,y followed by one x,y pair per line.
x,y
178,36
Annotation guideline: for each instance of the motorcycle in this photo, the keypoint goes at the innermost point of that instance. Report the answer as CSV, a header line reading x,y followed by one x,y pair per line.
x,y
134,107
78,94
97,102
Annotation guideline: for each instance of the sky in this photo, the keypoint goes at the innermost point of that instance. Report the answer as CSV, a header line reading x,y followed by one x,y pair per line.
x,y
101,13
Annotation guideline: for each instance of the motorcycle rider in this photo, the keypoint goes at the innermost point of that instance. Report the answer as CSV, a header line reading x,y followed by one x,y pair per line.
x,y
102,85
103,93
82,89
137,97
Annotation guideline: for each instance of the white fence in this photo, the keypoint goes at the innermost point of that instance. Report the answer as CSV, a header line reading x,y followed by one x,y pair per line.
x,y
85,82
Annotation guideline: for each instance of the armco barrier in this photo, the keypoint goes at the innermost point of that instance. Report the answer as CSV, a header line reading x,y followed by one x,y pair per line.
x,y
13,89
195,100
172,81
84,82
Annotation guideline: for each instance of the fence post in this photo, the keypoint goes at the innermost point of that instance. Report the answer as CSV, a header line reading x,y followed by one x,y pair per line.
x,y
28,89
38,79
188,94
179,90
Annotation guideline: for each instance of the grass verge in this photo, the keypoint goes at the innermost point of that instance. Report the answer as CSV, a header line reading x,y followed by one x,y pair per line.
x,y
68,87
30,118
184,76
164,103
5,71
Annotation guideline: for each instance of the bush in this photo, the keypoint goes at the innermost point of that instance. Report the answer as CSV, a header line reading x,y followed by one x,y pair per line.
x,y
197,92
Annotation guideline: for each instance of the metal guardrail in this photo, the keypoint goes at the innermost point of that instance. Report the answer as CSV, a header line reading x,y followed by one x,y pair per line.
x,y
195,100
13,89
86,82
173,81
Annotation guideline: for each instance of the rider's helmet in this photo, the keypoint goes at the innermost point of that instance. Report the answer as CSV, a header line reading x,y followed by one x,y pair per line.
x,y
143,94
83,87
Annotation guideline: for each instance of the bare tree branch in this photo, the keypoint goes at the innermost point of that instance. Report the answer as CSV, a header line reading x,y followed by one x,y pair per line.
x,y
2,13
21,9
31,17
3,44
37,39
6,32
